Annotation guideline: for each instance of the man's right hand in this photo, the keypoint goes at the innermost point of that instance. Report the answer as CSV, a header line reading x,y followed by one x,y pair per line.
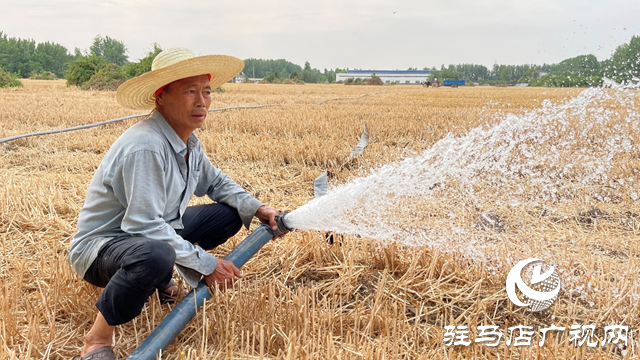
x,y
224,274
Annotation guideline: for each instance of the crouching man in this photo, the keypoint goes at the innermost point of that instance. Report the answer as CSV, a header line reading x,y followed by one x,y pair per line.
x,y
135,224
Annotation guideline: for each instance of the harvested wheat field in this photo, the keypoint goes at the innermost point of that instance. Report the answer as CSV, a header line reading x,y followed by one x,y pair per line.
x,y
547,173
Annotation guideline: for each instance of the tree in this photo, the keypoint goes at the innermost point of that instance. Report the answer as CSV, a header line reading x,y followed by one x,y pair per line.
x,y
330,75
113,51
469,72
583,65
308,75
505,75
445,74
528,77
259,68
17,56
625,61
583,70
53,57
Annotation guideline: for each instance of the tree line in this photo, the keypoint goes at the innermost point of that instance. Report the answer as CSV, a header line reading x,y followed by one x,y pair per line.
x,y
23,57
582,70
282,69
105,65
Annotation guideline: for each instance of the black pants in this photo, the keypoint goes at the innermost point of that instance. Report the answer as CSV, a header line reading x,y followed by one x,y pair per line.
x,y
131,268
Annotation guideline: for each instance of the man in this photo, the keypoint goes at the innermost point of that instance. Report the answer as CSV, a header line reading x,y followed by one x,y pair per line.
x,y
135,223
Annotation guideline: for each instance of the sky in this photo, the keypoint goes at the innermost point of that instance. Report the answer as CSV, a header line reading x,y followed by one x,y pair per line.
x,y
363,34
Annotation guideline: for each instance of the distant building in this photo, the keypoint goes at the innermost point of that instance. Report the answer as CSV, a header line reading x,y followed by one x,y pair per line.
x,y
238,78
401,77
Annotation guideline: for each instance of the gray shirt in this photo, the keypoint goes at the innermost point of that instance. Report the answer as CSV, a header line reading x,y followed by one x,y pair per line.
x,y
142,188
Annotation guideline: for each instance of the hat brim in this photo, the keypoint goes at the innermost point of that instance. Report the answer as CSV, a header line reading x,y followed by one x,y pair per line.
x,y
138,93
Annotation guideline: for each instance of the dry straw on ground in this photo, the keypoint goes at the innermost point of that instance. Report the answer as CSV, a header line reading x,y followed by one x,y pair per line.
x,y
300,297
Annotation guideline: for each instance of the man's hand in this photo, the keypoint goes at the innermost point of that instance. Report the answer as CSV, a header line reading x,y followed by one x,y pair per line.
x,y
267,215
224,274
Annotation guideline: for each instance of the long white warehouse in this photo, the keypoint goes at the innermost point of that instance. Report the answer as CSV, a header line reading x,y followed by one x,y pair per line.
x,y
401,77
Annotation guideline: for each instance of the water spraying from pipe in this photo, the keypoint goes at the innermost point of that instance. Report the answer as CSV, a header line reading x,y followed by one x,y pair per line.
x,y
543,158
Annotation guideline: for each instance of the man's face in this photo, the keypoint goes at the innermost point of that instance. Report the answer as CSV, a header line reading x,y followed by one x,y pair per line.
x,y
184,104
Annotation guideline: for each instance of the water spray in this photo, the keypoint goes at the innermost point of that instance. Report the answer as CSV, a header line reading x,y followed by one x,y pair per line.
x,y
186,309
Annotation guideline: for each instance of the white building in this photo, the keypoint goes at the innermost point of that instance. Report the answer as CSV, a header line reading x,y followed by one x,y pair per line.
x,y
403,77
237,79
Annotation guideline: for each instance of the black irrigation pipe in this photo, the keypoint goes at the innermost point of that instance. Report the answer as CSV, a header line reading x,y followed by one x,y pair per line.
x,y
87,126
47,132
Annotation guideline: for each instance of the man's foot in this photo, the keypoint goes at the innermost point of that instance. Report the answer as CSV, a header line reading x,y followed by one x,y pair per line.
x,y
170,294
100,336
172,290
93,343
101,353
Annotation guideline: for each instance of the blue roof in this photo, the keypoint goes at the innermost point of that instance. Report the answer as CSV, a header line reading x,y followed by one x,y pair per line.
x,y
390,72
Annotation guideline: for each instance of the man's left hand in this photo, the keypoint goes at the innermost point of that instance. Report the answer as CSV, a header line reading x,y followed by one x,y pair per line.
x,y
267,215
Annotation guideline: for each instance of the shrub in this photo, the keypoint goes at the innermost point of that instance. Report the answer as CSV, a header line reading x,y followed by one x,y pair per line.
x,y
109,77
43,75
8,80
271,78
15,83
374,80
134,69
246,80
81,70
292,82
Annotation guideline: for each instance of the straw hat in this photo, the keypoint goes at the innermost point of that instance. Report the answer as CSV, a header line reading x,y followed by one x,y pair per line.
x,y
171,65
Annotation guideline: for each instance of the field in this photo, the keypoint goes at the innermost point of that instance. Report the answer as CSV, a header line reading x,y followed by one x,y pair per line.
x,y
302,298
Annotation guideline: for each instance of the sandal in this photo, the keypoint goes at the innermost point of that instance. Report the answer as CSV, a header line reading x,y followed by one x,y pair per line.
x,y
169,298
101,353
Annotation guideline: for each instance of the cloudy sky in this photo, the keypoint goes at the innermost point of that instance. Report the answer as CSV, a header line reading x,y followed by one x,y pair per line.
x,y
367,34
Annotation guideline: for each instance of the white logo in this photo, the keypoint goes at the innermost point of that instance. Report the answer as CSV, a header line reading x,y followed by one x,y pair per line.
x,y
545,286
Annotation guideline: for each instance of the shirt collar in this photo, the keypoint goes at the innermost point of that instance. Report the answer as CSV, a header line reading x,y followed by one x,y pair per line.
x,y
176,142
